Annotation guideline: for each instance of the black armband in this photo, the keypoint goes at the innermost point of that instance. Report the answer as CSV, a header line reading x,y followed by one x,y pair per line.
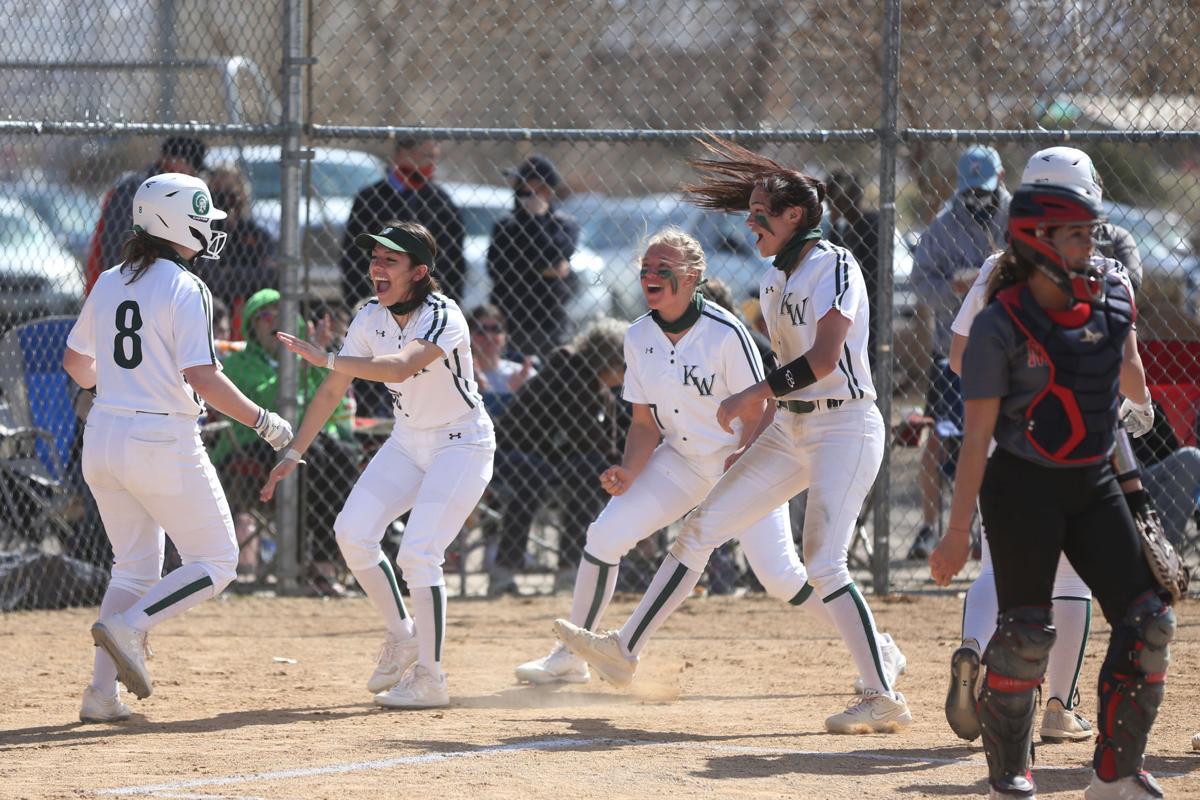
x,y
790,377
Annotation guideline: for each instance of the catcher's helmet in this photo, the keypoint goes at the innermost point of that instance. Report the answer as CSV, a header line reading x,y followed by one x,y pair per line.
x,y
1035,209
179,209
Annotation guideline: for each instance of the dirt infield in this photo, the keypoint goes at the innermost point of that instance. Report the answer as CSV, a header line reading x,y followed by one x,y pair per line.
x,y
729,702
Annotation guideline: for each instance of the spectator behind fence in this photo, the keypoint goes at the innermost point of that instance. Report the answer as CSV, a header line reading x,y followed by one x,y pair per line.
x,y
179,154
407,193
499,377
564,427
968,229
243,462
858,231
247,263
1170,475
529,259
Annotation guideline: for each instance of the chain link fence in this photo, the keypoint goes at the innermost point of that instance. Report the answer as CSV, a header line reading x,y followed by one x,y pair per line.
x,y
320,120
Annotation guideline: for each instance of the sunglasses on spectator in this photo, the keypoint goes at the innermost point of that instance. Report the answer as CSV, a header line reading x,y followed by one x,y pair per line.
x,y
490,327
268,314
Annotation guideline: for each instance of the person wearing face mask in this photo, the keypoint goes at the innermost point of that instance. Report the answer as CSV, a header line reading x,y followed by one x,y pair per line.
x,y
1045,367
826,437
248,261
408,192
968,229
529,260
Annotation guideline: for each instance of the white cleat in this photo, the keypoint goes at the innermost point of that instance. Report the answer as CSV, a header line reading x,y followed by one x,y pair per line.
x,y
872,712
127,648
602,651
1062,724
561,666
395,657
1139,786
1196,742
418,688
894,663
96,707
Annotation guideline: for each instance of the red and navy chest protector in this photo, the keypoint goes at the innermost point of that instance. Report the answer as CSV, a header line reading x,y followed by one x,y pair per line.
x,y
1073,420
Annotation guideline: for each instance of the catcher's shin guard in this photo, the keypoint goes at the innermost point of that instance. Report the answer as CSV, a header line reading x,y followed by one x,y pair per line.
x,y
1016,659
1131,685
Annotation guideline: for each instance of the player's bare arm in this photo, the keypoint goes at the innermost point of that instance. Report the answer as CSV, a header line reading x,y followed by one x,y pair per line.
x,y
820,360
220,393
81,368
951,553
395,368
320,407
958,346
640,442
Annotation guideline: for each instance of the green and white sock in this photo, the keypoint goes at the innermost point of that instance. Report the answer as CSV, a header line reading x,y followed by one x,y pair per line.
x,y
853,620
671,586
1073,621
379,582
595,583
183,589
429,613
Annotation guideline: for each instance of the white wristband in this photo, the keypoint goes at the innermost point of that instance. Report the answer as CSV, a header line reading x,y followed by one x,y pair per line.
x,y
330,357
292,454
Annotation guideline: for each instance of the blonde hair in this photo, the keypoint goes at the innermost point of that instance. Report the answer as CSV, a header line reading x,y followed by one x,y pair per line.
x,y
690,251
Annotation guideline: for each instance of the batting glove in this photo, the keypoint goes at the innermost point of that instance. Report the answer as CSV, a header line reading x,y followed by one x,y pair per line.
x,y
1137,418
274,429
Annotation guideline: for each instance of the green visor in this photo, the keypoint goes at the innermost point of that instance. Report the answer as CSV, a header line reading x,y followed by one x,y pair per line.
x,y
399,240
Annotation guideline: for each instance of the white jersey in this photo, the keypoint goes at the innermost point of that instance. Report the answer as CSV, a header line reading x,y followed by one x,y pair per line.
x,y
976,299
144,334
827,278
441,393
685,382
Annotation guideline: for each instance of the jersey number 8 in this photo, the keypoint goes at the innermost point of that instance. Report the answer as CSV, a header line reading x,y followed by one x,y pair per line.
x,y
129,322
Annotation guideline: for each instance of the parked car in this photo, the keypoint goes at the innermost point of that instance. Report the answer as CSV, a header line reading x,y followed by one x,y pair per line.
x,y
335,176
38,276
482,206
69,211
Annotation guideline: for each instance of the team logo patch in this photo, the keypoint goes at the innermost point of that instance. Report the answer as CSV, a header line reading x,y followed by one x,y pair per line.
x,y
794,312
703,385
200,203
1091,336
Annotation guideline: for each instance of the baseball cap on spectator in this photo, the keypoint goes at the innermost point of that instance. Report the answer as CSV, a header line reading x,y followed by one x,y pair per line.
x,y
186,147
979,168
536,168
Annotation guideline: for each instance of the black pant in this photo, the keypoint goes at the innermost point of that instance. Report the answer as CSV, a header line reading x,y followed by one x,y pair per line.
x,y
1032,513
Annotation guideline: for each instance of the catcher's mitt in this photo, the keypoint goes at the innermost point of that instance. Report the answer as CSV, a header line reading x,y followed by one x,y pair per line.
x,y
1168,568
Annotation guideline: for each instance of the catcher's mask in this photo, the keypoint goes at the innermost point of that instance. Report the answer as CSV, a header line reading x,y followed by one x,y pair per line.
x,y
1038,208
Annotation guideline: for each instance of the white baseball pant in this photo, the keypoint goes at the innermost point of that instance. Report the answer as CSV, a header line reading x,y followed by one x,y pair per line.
x,y
149,472
440,474
668,487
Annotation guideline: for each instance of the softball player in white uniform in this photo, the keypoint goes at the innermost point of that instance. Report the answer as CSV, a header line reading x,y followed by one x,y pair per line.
x,y
144,341
437,461
1072,598
681,360
827,435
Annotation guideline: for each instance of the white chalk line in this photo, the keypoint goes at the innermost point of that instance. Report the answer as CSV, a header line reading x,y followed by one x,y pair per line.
x,y
171,789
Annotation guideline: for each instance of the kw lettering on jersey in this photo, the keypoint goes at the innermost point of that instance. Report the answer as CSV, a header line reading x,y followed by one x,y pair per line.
x,y
703,385
795,313
456,436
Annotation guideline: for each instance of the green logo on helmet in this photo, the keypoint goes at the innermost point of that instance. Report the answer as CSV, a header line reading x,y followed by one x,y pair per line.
x,y
200,203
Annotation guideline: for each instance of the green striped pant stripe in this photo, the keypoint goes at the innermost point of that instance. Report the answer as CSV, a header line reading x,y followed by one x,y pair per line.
x,y
179,594
439,622
868,628
802,595
390,574
668,590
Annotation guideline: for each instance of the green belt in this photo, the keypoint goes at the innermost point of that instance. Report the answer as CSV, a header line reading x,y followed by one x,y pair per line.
x,y
806,407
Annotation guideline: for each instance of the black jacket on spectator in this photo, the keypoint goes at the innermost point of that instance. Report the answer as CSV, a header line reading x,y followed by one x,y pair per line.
x,y
430,206
562,411
247,263
523,247
861,238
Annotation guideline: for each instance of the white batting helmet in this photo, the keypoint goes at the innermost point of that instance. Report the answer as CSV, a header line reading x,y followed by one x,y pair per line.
x,y
179,209
1064,166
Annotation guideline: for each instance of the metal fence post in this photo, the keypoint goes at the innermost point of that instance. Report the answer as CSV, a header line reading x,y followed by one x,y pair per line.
x,y
889,140
287,509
